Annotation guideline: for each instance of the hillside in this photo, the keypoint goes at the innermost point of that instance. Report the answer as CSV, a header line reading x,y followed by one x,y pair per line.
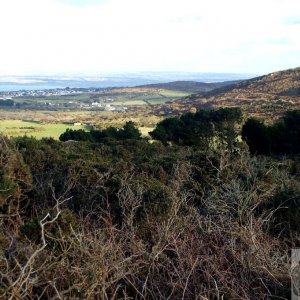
x,y
266,96
282,83
190,86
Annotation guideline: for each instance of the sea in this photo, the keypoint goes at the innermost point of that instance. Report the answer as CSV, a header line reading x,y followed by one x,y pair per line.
x,y
16,83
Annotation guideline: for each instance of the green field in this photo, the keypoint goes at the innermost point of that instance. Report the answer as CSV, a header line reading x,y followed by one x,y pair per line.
x,y
135,102
173,94
54,99
120,97
159,97
14,128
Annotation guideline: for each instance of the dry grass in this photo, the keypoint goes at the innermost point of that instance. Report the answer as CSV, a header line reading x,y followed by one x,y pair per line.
x,y
220,249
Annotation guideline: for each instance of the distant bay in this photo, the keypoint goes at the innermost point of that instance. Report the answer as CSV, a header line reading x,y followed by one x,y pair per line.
x,y
16,83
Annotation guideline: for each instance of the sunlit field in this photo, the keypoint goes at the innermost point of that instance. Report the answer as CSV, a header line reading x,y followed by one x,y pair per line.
x,y
12,128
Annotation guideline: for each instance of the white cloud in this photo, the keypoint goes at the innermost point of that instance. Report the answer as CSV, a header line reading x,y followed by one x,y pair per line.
x,y
53,36
82,2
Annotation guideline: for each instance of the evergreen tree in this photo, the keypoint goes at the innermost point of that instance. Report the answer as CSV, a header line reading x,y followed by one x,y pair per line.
x,y
256,134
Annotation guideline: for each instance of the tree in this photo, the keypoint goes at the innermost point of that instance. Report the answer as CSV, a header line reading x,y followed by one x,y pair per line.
x,y
129,131
168,130
76,135
225,121
291,121
256,134
200,128
281,138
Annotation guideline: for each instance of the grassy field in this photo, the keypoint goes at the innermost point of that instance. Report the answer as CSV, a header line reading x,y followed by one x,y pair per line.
x,y
54,99
123,96
13,128
21,128
173,94
141,118
41,123
135,102
155,97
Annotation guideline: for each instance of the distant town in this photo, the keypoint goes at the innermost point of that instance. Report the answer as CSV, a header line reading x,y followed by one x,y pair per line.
x,y
60,98
48,92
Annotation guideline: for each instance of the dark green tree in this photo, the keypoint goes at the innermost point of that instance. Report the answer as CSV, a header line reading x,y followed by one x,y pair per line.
x,y
292,131
129,131
225,121
168,130
281,138
76,135
257,135
200,129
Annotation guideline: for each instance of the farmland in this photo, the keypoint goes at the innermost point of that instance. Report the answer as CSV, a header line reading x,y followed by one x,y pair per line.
x,y
41,124
13,128
96,99
37,130
49,116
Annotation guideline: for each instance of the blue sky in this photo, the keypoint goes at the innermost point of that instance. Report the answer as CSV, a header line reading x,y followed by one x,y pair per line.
x,y
99,36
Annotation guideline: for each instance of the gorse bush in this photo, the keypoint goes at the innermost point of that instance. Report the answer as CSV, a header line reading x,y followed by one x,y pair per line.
x,y
204,129
286,210
15,182
201,128
281,138
126,218
129,131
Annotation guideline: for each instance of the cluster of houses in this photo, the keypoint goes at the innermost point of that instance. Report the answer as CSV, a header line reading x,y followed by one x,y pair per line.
x,y
39,93
102,106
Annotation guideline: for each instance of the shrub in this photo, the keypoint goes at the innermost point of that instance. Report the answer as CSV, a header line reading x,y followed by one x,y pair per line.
x,y
201,129
286,211
281,138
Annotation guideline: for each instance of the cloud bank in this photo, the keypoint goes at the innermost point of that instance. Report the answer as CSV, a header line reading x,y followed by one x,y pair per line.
x,y
96,36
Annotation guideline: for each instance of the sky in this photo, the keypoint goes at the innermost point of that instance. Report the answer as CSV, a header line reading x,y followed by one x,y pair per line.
x,y
99,36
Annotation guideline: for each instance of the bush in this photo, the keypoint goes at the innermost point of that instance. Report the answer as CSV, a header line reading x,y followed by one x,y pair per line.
x,y
144,221
281,138
286,211
15,181
201,129
257,135
129,131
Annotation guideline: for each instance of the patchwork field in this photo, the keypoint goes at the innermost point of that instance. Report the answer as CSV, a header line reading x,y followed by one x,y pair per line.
x,y
117,97
141,96
14,128
50,116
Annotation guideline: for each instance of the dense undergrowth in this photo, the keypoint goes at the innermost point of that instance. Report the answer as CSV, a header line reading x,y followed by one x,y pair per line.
x,y
133,220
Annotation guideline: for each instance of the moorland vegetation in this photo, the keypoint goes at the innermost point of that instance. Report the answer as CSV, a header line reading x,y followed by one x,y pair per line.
x,y
110,215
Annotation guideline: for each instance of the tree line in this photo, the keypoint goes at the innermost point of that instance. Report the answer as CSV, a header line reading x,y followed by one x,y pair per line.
x,y
129,131
202,129
207,129
280,138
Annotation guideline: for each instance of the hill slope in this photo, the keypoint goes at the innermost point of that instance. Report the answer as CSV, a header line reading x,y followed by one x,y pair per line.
x,y
190,86
266,96
282,83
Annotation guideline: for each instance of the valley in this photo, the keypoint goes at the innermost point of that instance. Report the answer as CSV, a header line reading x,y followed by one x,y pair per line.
x,y
265,97
48,113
